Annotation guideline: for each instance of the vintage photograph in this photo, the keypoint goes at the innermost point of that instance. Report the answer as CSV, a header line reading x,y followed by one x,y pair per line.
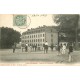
x,y
45,38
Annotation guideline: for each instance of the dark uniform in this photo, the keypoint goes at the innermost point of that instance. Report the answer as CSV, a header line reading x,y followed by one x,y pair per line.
x,y
26,47
14,47
70,49
46,47
51,47
35,46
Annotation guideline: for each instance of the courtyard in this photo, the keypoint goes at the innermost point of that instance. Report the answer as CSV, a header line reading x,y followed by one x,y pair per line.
x,y
6,55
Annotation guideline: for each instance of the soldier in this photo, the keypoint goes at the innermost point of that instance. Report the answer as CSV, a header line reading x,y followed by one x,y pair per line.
x,y
46,47
14,47
26,47
70,51
51,47
29,49
35,46
63,49
22,47
59,49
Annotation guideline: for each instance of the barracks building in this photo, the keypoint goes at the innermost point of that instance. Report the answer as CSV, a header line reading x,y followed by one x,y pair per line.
x,y
38,36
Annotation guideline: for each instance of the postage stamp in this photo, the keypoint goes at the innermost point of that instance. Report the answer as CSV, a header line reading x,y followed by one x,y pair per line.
x,y
21,21
39,39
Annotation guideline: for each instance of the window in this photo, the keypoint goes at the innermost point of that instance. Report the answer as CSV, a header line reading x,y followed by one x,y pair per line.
x,y
39,31
38,35
36,40
34,36
43,35
36,31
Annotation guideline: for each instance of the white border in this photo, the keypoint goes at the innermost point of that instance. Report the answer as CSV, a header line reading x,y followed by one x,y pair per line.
x,y
40,7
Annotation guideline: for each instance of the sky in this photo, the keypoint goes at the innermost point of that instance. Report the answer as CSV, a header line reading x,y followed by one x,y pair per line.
x,y
33,21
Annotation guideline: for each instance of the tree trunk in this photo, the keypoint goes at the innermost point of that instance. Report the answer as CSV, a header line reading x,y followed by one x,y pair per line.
x,y
76,33
0,38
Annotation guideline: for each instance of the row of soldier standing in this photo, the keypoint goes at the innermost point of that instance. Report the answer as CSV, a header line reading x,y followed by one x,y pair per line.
x,y
61,48
29,48
34,47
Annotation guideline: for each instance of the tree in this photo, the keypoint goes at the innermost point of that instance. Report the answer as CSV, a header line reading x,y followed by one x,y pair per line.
x,y
0,37
9,37
68,24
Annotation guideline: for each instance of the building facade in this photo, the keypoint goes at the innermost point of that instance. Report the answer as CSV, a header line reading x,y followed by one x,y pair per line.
x,y
38,36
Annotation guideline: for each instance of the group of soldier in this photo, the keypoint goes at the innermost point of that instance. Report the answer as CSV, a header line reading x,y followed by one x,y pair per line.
x,y
60,48
29,48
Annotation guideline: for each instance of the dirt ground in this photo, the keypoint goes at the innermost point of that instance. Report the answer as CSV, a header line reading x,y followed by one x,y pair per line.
x,y
6,55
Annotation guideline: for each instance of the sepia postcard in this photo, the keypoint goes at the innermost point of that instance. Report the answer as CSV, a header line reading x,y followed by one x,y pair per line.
x,y
39,39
